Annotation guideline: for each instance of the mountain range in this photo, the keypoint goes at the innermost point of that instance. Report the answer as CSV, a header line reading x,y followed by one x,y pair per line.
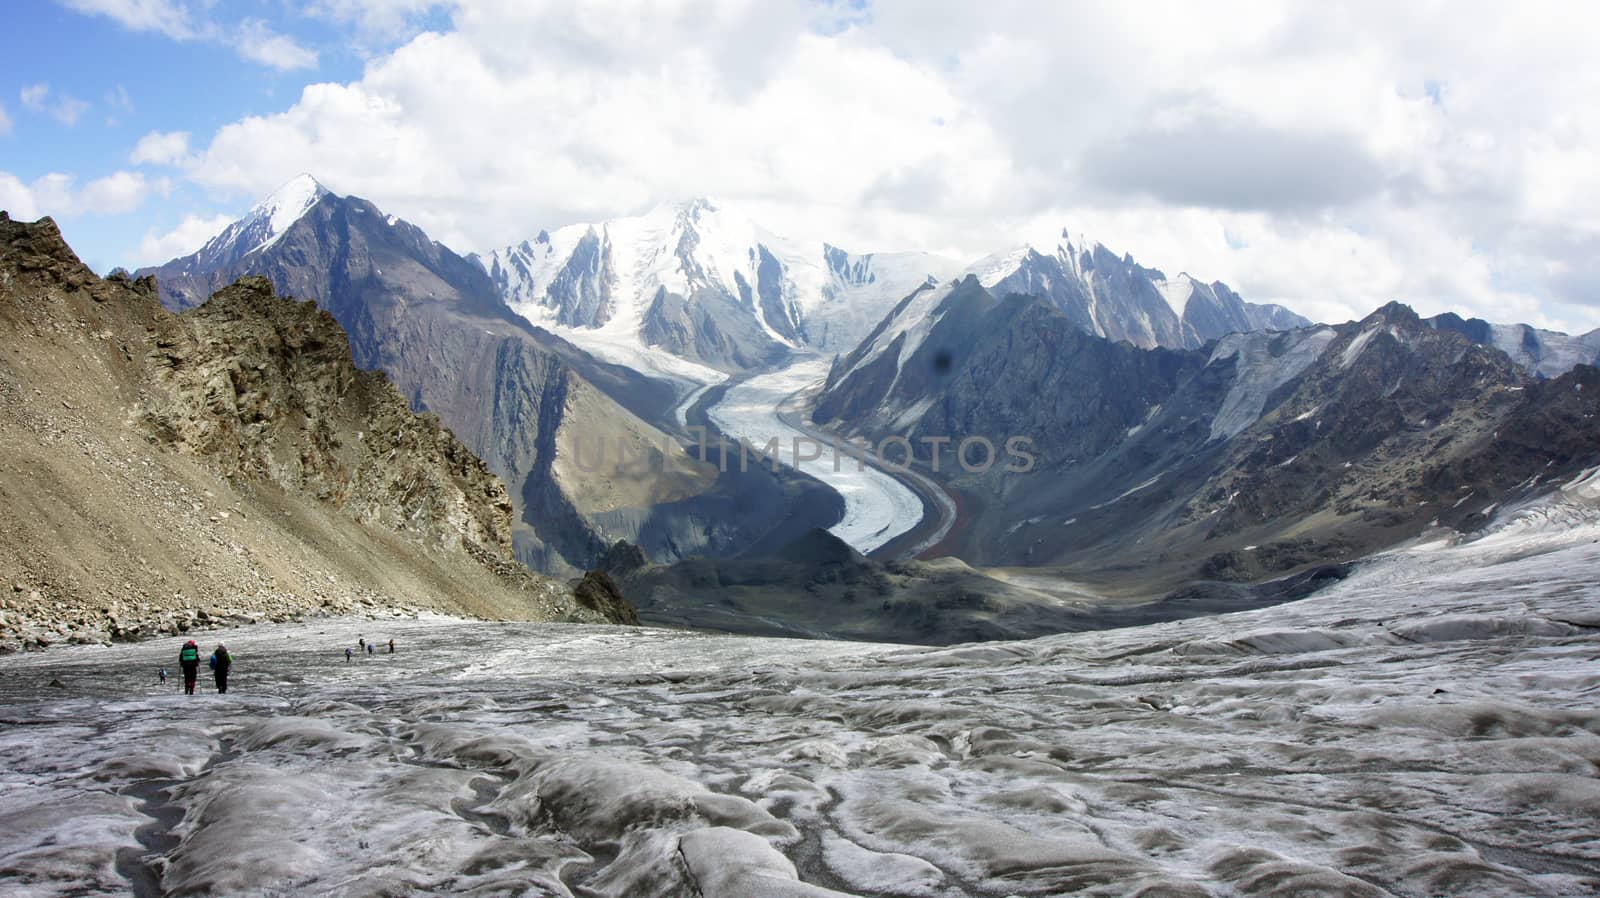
x,y
522,398
1260,454
1181,432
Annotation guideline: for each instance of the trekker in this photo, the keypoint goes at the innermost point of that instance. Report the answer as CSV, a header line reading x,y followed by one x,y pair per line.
x,y
361,641
161,675
189,661
347,653
221,663
370,650
391,646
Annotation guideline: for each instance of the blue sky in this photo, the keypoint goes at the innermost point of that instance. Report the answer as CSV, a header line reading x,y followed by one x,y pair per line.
x,y
1330,157
108,84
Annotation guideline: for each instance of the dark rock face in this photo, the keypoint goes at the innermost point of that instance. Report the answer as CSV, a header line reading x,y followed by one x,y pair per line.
x,y
710,328
599,593
621,559
998,369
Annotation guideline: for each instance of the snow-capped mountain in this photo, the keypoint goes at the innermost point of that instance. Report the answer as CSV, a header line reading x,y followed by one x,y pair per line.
x,y
261,227
703,284
1114,297
860,289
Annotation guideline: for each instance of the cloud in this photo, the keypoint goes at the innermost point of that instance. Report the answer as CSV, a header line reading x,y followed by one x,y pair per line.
x,y
16,199
1235,165
161,16
162,148
252,39
1355,154
190,234
255,41
64,108
57,194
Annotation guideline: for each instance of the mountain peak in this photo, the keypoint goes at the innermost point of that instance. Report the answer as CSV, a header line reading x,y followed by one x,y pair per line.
x,y
1395,312
286,204
267,221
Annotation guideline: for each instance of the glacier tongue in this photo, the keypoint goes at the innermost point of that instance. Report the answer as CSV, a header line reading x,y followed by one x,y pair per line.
x,y
1425,727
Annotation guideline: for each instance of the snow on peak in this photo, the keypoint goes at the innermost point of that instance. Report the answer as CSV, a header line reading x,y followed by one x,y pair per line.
x,y
267,221
285,206
991,270
1177,292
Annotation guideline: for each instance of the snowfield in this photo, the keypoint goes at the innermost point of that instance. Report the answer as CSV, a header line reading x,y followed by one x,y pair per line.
x,y
1427,727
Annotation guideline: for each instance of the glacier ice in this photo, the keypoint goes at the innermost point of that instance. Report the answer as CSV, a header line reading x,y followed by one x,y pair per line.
x,y
1425,727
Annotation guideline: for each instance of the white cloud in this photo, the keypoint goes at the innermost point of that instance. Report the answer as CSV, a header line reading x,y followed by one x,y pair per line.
x,y
252,39
161,16
64,108
16,199
33,96
162,148
58,195
1331,158
190,234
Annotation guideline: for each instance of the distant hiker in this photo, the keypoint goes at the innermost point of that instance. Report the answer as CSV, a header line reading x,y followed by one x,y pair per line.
x,y
161,675
189,660
391,646
347,653
361,641
221,663
369,648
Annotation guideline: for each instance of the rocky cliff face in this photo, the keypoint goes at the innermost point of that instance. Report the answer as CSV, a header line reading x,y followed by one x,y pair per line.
x,y
263,387
232,462
1262,454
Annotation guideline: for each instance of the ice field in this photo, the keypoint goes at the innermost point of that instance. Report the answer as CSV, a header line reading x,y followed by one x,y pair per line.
x,y
1427,727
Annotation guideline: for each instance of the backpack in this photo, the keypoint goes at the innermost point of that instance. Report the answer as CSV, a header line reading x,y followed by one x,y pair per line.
x,y
189,653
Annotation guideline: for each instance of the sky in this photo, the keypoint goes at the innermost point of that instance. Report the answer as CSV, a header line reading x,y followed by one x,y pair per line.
x,y
1330,157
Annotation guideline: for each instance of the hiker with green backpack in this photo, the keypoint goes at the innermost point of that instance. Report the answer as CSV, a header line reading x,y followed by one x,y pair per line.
x,y
189,660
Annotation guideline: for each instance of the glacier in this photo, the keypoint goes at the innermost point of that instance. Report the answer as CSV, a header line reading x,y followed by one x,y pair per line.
x,y
877,507
1427,726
